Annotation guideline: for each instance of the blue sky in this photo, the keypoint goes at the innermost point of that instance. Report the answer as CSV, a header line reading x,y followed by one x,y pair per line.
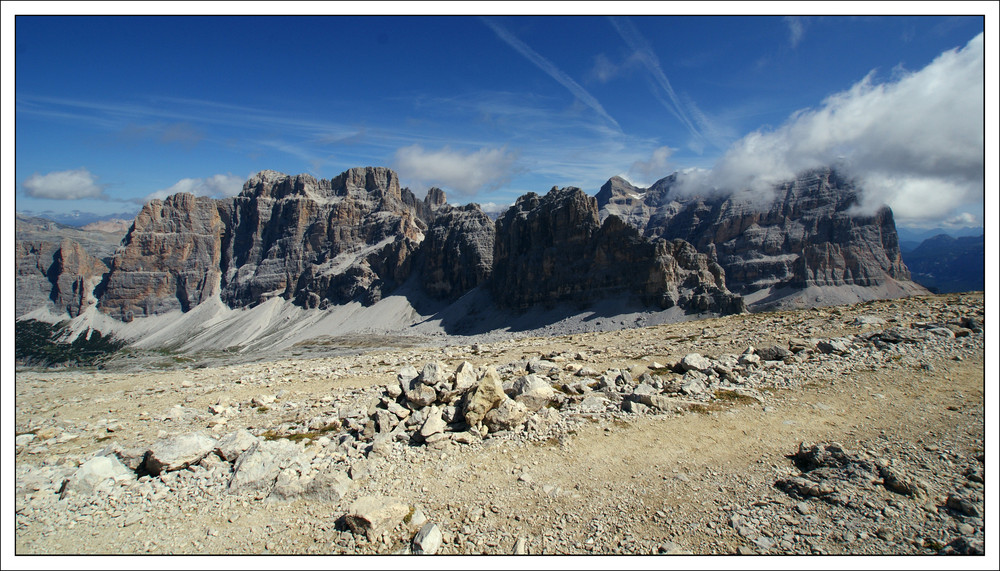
x,y
111,111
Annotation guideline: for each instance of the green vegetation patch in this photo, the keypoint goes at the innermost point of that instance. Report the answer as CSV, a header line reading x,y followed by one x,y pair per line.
x,y
40,343
734,397
299,436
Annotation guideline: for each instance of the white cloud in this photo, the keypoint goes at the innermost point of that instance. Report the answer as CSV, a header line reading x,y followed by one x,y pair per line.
x,y
963,220
216,186
658,166
464,173
494,209
64,185
915,143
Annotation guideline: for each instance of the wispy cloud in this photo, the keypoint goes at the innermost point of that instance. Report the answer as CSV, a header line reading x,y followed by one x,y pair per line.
x,y
215,186
181,133
64,185
549,68
657,166
796,29
463,172
604,70
915,143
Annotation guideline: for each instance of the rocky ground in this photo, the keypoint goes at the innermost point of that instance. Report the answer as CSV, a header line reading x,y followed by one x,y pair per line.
x,y
848,430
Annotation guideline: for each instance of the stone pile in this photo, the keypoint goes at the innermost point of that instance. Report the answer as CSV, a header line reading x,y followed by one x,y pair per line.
x,y
435,405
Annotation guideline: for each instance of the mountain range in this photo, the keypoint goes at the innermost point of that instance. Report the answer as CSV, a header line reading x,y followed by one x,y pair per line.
x,y
945,264
359,246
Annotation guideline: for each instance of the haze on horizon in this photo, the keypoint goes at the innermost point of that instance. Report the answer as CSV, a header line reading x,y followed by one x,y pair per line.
x,y
112,111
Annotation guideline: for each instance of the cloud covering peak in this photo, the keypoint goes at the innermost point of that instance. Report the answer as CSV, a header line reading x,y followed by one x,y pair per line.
x,y
466,173
216,186
915,143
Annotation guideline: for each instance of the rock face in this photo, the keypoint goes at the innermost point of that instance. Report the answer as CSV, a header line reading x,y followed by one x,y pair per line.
x,y
63,273
318,242
33,285
169,259
59,266
555,249
806,236
359,237
76,275
458,250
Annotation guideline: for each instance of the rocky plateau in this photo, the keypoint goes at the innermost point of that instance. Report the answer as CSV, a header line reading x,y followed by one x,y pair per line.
x,y
848,430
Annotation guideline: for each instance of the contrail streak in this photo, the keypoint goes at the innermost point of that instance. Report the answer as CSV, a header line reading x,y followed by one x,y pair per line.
x,y
550,68
641,47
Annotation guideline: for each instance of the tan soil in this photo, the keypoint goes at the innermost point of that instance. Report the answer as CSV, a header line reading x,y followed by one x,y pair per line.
x,y
611,484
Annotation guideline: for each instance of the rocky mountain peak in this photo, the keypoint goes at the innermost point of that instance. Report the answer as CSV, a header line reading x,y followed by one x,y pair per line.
x,y
554,249
373,183
617,188
168,260
435,198
360,236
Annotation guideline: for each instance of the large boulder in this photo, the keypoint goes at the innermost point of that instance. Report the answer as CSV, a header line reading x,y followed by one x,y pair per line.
x,y
465,377
373,515
533,391
416,392
508,415
95,472
433,423
178,452
488,394
428,539
695,362
235,443
257,468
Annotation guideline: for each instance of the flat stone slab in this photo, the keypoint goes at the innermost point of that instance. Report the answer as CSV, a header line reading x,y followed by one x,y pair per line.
x,y
373,515
178,452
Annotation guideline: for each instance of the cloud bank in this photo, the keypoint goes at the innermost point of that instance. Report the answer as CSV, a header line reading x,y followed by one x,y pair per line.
x,y
64,185
915,143
216,186
464,173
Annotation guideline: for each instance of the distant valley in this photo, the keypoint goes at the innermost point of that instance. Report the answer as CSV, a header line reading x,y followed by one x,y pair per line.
x,y
946,264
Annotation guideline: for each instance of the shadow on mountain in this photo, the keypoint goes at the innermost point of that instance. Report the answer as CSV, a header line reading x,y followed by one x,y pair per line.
x,y
476,314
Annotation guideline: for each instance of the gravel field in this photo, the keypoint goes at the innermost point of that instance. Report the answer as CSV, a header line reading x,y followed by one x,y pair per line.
x,y
850,430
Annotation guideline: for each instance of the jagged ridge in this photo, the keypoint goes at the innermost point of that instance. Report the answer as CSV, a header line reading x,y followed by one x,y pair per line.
x,y
360,237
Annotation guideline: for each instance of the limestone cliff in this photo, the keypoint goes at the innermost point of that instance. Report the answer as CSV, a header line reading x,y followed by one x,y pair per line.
x,y
318,241
360,236
457,253
168,260
554,249
58,266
